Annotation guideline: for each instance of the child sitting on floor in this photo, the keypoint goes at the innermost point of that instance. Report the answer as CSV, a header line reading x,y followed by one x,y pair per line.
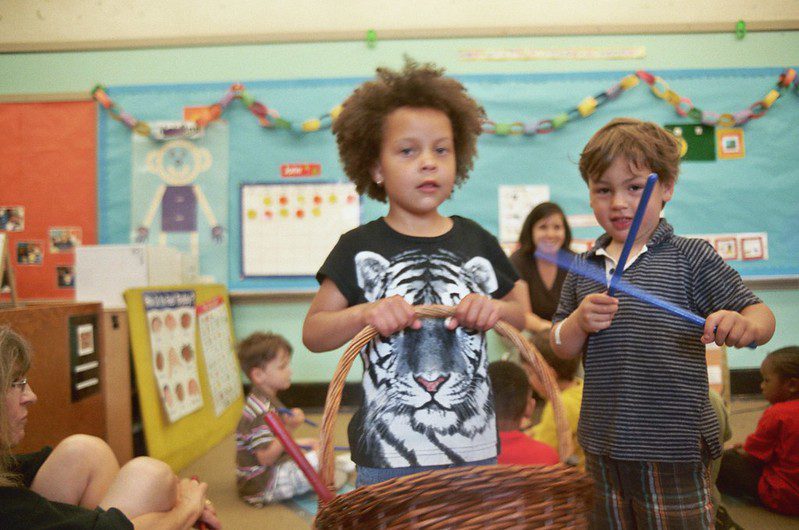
x,y
513,401
264,474
766,468
571,395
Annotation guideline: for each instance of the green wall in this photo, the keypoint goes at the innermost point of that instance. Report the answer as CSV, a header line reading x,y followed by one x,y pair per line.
x,y
31,73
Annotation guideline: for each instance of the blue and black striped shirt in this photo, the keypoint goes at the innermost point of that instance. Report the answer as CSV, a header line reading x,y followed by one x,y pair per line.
x,y
646,388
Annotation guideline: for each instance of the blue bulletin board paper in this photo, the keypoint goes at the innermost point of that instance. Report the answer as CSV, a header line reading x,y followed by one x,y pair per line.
x,y
756,193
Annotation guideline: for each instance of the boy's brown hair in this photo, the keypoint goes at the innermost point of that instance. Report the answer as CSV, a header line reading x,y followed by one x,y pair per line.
x,y
359,127
260,348
511,390
644,144
565,369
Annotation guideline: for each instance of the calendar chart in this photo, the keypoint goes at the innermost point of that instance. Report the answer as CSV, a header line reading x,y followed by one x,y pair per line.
x,y
289,229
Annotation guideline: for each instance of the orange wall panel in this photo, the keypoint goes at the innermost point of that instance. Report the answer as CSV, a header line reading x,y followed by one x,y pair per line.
x,y
48,166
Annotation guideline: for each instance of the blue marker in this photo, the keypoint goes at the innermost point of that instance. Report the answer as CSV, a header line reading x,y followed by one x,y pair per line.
x,y
628,243
567,261
288,412
335,447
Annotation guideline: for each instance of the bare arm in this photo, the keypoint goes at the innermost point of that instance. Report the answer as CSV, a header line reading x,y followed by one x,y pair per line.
x,y
535,323
532,322
268,454
512,305
329,323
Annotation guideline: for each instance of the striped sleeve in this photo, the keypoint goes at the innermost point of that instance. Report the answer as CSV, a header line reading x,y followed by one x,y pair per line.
x,y
716,285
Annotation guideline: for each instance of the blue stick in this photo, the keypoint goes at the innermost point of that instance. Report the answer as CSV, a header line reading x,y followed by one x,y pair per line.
x,y
335,447
288,412
567,261
628,243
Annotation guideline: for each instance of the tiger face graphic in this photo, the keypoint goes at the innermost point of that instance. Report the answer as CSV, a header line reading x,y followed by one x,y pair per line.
x,y
425,391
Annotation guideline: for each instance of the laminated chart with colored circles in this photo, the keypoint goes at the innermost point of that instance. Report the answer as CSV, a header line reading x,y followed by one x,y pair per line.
x,y
289,229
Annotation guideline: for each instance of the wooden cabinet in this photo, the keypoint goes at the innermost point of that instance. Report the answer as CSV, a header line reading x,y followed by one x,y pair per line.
x,y
117,382
80,373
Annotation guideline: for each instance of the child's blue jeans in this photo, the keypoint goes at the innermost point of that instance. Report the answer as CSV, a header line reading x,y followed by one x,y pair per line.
x,y
373,475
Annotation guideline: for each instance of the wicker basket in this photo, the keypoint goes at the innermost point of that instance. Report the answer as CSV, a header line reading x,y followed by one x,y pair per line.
x,y
498,496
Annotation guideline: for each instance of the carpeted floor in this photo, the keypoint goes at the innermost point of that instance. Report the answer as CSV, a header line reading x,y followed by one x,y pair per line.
x,y
217,468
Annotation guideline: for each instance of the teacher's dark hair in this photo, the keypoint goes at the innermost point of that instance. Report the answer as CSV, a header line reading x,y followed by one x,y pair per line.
x,y
542,211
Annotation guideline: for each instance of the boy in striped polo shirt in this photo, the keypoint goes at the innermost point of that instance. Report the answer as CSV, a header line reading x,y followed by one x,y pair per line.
x,y
646,423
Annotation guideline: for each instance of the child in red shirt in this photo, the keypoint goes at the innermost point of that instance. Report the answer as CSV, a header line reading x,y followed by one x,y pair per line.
x,y
766,468
513,401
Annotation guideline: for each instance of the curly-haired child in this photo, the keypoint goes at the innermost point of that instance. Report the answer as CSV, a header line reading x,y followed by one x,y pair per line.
x,y
409,137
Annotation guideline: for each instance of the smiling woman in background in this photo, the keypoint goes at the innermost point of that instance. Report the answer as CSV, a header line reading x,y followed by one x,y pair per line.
x,y
79,484
546,229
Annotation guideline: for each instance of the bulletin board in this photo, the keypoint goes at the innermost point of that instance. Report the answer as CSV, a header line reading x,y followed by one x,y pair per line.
x,y
203,424
289,229
48,192
730,198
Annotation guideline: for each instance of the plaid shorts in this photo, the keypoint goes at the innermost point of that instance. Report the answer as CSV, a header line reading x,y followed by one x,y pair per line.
x,y
638,495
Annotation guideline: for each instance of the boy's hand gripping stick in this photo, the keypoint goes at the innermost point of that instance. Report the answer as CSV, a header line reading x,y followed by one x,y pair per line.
x,y
567,261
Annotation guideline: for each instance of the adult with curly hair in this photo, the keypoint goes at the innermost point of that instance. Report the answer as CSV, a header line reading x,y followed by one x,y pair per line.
x,y
79,484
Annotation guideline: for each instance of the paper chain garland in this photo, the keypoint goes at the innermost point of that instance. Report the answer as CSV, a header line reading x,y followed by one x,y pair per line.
x,y
271,119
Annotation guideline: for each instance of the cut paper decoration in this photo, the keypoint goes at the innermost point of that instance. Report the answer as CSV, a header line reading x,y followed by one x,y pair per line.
x,y
698,141
174,185
730,143
268,118
271,119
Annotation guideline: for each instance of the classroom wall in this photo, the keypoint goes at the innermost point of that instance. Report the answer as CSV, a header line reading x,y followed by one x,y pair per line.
x,y
78,72
81,24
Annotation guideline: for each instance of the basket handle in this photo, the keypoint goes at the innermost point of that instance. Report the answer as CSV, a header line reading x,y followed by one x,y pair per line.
x,y
333,400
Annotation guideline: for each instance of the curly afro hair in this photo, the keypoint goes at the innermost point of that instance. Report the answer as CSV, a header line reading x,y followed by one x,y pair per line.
x,y
359,127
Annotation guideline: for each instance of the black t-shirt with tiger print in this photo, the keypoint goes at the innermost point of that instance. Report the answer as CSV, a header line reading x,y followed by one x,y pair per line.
x,y
427,399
